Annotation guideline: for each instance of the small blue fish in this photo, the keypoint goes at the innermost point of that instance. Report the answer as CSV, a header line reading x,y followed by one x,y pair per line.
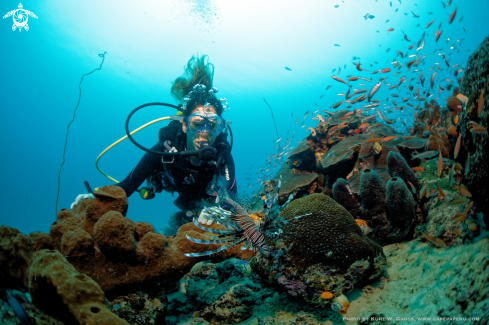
x,y
396,10
287,68
18,309
388,20
391,3
336,6
337,45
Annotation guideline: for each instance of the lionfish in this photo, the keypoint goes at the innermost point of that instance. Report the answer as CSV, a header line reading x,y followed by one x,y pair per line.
x,y
242,226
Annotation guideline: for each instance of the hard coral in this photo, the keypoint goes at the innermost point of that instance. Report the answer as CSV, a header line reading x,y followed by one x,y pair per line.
x,y
326,233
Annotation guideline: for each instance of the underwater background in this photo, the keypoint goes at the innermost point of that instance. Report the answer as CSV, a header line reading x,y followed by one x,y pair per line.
x,y
148,43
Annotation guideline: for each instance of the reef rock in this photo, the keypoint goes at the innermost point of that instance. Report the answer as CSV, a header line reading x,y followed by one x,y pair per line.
x,y
222,292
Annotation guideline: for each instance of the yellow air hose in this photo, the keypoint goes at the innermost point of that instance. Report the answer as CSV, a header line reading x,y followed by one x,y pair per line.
x,y
122,139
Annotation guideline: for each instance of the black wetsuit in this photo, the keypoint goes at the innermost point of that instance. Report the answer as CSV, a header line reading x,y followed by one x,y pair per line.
x,y
189,181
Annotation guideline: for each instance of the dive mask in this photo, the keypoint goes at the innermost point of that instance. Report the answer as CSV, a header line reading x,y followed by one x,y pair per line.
x,y
201,122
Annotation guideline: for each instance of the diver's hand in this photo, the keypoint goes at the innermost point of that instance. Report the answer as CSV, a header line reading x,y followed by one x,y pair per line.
x,y
80,198
205,218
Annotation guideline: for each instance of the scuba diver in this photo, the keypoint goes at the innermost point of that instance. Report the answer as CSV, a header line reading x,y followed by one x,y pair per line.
x,y
192,156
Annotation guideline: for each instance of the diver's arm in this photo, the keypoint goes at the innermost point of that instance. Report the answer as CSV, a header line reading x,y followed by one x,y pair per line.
x,y
145,168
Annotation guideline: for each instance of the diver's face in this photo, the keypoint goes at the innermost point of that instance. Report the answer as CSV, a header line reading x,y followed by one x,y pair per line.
x,y
203,138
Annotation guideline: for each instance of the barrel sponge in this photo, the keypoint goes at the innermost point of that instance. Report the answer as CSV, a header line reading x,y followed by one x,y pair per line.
x,y
399,203
326,233
114,234
372,191
343,194
58,288
397,166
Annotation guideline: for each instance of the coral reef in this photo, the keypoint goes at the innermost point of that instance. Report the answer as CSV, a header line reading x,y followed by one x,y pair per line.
x,y
326,233
474,81
139,309
219,293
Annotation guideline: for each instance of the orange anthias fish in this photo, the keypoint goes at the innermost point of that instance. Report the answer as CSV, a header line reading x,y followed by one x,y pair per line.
x,y
452,16
463,190
418,169
387,139
373,140
459,217
435,240
457,146
363,125
478,129
338,79
439,164
390,29
386,70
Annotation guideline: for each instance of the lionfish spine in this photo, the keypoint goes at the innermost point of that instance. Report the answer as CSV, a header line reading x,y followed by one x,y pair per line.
x,y
250,229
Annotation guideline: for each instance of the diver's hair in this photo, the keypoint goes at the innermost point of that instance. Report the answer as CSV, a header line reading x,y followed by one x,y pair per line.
x,y
197,71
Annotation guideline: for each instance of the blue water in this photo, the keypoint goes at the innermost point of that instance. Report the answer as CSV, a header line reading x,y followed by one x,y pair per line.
x,y
148,43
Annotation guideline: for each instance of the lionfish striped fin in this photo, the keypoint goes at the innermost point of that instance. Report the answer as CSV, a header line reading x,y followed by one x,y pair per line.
x,y
251,231
213,231
220,249
209,241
